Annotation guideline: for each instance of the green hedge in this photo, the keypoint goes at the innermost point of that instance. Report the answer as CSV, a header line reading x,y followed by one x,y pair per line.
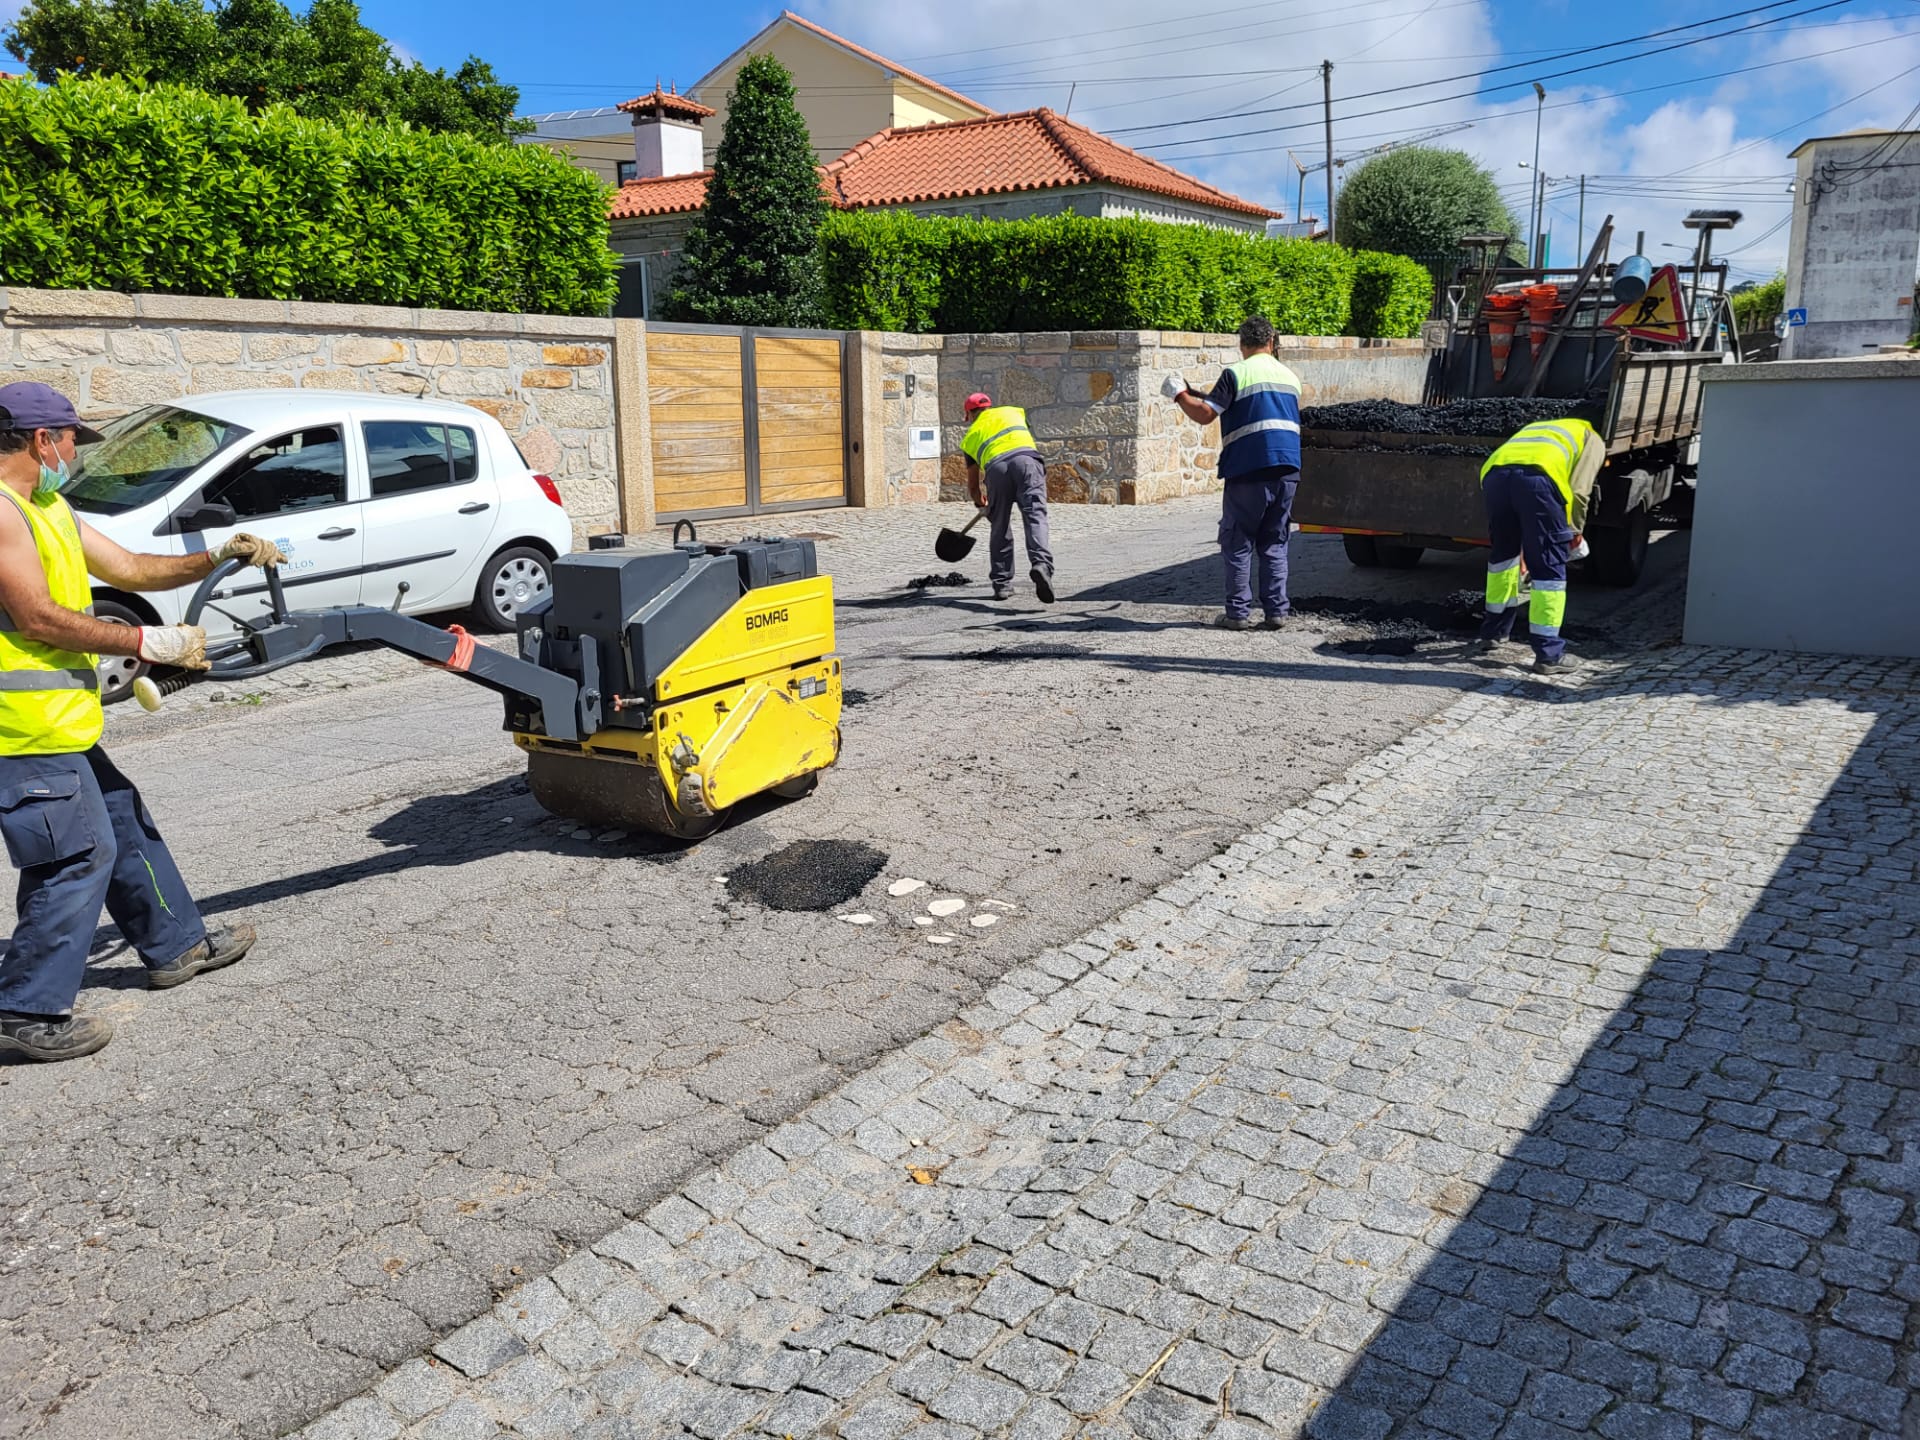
x,y
105,185
1755,310
1392,295
891,271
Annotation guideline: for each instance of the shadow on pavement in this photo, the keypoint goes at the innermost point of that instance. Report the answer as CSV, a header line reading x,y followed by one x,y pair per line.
x,y
429,831
1709,1230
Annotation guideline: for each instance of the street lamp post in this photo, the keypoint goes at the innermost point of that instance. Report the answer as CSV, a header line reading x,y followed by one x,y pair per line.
x,y
1539,110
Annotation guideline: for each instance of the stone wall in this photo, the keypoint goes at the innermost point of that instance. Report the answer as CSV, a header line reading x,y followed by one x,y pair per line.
x,y
573,392
1093,400
547,378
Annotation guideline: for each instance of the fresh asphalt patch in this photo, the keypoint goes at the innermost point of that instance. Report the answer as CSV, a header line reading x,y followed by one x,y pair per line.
x,y
808,875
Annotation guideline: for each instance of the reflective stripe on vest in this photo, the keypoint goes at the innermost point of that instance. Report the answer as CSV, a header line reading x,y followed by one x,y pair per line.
x,y
1550,446
50,697
996,433
49,679
1261,428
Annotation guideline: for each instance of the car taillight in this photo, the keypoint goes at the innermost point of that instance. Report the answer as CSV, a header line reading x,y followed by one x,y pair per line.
x,y
549,489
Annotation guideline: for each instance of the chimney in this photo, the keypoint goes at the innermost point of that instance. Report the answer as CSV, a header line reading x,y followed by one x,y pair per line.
x,y
666,134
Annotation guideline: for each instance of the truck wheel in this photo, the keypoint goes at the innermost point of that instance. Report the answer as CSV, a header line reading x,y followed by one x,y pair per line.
x,y
1361,550
1398,557
1619,553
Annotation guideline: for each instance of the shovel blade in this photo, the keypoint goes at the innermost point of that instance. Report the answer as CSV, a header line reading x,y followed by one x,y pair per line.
x,y
951,545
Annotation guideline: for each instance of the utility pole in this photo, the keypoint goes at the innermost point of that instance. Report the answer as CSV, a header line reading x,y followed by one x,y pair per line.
x,y
1300,199
1533,237
1326,84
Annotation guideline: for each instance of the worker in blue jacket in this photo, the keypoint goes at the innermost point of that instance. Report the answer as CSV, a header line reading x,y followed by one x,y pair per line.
x,y
1257,402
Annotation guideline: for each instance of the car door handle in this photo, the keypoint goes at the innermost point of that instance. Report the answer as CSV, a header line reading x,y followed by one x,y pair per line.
x,y
474,507
338,532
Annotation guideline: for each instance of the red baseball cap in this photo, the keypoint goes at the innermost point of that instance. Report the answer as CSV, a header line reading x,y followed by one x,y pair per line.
x,y
977,401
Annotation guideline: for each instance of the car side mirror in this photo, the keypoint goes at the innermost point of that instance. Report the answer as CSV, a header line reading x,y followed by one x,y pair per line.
x,y
207,516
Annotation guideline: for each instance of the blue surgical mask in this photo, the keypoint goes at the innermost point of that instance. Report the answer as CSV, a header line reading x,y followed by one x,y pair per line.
x,y
52,482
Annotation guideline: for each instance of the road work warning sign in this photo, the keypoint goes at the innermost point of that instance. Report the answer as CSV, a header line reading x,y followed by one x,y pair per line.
x,y
1657,315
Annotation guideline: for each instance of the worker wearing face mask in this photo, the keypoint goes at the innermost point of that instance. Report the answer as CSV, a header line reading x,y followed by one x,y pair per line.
x,y
74,826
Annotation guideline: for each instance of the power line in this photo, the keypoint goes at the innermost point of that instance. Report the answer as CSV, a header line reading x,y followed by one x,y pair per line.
x,y
1152,50
1580,101
1528,65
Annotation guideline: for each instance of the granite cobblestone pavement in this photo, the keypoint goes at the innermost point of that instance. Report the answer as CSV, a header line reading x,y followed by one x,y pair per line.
x,y
1552,1073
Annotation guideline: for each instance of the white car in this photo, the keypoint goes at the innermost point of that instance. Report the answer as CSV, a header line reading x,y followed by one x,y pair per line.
x,y
414,505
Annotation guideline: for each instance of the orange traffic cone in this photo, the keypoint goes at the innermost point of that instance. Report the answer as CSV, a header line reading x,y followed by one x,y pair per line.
x,y
1543,303
1502,316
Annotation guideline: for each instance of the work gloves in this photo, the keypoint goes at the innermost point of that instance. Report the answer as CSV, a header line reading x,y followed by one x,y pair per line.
x,y
1173,387
250,548
182,645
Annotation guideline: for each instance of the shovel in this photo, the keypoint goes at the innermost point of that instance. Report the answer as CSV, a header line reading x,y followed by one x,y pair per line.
x,y
951,545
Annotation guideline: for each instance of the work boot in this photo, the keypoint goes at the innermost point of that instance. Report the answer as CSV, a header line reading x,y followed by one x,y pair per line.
x,y
1042,584
1274,622
1562,666
1231,622
1003,592
221,947
64,1037
1479,647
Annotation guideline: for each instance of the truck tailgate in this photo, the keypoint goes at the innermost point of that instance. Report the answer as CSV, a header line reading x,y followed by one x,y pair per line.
x,y
1379,483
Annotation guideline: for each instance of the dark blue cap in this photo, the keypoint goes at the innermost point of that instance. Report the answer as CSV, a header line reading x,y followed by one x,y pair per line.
x,y
29,405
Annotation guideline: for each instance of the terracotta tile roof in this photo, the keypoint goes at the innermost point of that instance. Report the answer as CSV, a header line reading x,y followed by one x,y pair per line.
x,y
915,76
662,195
1031,150
668,103
1027,150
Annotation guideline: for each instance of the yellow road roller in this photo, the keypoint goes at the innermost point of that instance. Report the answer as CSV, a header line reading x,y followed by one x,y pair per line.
x,y
652,690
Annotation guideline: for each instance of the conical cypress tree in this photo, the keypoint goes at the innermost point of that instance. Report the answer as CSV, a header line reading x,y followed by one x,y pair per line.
x,y
752,257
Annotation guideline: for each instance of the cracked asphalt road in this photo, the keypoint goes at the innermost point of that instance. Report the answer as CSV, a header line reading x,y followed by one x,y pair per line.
x,y
474,1039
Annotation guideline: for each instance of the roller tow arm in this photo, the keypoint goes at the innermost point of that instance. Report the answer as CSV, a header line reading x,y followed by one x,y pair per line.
x,y
568,710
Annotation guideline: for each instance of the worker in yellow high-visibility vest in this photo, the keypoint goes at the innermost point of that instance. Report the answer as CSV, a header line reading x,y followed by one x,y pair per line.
x,y
74,826
1533,486
1004,469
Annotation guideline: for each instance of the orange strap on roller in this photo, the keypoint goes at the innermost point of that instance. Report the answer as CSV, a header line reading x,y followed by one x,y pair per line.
x,y
462,657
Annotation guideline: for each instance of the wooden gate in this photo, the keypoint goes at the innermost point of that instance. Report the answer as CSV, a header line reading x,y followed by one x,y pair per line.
x,y
746,421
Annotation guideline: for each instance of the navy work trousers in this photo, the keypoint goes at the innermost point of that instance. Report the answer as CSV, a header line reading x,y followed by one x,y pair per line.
x,y
1256,513
81,837
1526,515
1017,479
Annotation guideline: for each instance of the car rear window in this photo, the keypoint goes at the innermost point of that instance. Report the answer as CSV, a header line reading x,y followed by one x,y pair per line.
x,y
408,455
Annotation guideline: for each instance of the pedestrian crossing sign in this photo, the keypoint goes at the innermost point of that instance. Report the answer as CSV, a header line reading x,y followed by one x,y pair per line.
x,y
1658,314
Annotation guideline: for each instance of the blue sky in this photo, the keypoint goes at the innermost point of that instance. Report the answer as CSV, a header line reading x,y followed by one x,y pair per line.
x,y
1704,137
1668,132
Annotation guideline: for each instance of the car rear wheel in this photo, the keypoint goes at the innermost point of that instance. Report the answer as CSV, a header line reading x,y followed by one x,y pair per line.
x,y
510,583
118,672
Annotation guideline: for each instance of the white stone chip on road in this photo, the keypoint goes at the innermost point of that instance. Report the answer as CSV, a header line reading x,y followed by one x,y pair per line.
x,y
905,885
980,922
923,919
858,919
940,939
951,905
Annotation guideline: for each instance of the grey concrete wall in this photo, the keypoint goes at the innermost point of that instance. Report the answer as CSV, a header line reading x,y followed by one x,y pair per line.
x,y
1855,246
1799,542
